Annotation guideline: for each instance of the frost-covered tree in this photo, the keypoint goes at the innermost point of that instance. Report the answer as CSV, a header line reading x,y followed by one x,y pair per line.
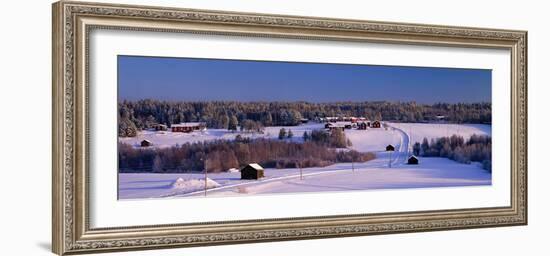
x,y
233,123
126,128
224,121
215,114
338,139
476,149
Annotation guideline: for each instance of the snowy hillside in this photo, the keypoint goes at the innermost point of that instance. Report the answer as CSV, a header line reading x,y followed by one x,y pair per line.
x,y
419,131
375,174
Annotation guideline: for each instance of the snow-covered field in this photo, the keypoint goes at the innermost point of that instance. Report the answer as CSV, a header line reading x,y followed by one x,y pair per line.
x,y
373,140
375,174
432,172
365,141
419,131
168,138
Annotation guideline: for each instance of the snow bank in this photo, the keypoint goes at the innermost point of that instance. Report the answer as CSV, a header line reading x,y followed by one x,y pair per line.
x,y
190,185
418,131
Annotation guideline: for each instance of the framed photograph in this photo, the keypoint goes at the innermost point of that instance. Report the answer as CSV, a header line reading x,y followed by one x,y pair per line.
x,y
179,127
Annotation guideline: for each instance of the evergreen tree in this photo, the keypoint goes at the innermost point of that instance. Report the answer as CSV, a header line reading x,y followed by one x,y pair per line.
x,y
126,128
306,136
233,123
282,133
289,134
416,149
219,114
425,146
224,122
269,120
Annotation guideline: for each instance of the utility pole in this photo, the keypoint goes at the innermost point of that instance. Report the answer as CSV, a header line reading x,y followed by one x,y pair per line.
x,y
300,166
205,175
391,149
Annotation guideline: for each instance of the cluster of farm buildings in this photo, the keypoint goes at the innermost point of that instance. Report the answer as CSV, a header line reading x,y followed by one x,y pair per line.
x,y
332,123
254,170
360,123
181,127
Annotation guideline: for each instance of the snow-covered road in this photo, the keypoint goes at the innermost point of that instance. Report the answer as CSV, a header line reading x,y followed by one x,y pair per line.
x,y
402,153
336,172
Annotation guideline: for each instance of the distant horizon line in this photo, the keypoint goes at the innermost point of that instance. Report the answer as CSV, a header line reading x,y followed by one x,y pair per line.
x,y
303,101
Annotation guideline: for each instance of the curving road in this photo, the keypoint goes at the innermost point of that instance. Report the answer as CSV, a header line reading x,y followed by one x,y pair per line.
x,y
399,157
402,153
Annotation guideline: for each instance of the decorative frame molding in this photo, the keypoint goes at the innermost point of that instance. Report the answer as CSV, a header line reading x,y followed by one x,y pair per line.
x,y
72,22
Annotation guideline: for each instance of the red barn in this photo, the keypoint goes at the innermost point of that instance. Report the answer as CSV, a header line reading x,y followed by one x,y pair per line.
x,y
188,127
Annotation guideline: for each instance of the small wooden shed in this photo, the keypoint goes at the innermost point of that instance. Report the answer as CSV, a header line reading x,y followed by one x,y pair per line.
x,y
146,143
390,148
362,126
376,124
252,171
412,160
160,127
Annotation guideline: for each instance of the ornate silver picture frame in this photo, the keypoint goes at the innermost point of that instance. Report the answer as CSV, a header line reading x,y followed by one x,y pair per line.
x,y
74,21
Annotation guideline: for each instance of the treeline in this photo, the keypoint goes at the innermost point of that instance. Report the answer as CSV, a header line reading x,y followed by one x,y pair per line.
x,y
336,138
221,155
476,149
229,114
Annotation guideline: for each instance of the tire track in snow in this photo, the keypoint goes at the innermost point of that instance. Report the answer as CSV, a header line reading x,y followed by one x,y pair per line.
x,y
402,152
264,181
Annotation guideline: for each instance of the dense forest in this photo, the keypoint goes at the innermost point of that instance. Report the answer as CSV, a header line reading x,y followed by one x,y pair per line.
x,y
221,155
142,114
476,149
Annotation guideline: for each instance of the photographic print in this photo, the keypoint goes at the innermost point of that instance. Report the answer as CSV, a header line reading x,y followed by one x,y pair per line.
x,y
297,127
190,127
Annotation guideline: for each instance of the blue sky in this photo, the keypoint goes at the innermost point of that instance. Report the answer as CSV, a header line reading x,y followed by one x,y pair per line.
x,y
188,79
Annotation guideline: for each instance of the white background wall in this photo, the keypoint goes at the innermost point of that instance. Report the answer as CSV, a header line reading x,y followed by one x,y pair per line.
x,y
25,152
